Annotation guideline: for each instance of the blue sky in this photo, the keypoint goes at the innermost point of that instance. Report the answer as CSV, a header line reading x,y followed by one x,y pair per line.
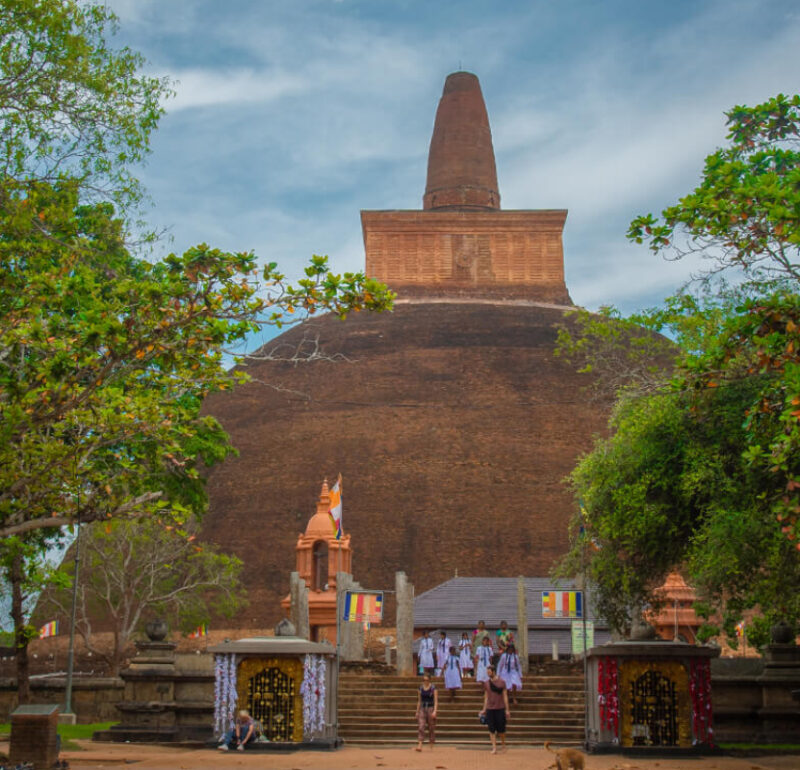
x,y
292,116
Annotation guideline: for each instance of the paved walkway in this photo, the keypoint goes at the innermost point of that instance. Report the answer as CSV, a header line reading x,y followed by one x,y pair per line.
x,y
149,757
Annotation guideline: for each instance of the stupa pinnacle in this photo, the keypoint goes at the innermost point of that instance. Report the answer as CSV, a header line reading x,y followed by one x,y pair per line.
x,y
461,245
461,167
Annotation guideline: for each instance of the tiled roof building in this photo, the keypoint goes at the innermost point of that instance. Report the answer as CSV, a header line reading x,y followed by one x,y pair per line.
x,y
458,604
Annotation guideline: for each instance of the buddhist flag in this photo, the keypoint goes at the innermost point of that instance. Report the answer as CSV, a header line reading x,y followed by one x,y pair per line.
x,y
562,604
740,629
363,607
335,510
49,629
199,631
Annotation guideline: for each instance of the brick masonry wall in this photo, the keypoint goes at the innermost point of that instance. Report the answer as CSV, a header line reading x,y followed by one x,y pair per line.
x,y
520,250
453,426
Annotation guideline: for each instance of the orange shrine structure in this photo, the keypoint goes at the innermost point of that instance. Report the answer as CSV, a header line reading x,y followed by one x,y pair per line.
x,y
319,556
677,619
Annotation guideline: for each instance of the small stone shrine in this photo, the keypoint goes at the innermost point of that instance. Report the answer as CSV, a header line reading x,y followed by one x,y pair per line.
x,y
650,696
164,701
288,684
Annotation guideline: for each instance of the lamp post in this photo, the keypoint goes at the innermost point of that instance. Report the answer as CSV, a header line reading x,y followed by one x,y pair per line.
x,y
68,713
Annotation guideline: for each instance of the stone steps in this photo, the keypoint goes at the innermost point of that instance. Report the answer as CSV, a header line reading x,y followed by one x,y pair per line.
x,y
379,710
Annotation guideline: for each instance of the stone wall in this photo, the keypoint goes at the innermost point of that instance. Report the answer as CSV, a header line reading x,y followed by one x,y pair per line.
x,y
93,700
750,705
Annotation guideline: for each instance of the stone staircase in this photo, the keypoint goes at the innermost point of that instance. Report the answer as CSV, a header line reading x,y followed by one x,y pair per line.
x,y
379,709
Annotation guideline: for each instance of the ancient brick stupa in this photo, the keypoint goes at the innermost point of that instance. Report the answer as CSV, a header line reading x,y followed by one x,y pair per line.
x,y
450,419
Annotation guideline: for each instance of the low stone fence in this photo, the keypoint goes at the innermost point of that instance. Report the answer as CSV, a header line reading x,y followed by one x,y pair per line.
x,y
752,704
93,700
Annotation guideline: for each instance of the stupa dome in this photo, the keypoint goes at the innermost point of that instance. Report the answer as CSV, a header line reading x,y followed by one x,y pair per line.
x,y
450,419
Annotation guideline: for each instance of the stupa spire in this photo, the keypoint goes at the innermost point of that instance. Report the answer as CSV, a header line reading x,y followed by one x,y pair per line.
x,y
461,168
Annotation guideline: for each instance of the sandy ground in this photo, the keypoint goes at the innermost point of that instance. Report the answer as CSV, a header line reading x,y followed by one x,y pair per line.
x,y
149,757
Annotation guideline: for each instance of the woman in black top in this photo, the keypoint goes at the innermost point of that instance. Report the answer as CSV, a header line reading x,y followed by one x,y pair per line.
x,y
427,704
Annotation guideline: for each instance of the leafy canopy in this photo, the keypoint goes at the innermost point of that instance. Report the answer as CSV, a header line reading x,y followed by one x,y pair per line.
x,y
702,469
105,359
70,104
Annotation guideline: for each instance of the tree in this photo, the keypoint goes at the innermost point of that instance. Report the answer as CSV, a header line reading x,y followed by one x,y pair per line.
x,y
23,573
702,469
106,357
105,360
71,106
134,570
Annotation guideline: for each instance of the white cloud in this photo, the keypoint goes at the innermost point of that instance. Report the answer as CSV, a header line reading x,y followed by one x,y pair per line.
x,y
209,88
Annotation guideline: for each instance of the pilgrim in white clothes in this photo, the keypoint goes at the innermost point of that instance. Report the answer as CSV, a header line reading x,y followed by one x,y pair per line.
x,y
452,673
465,656
508,669
442,651
483,659
426,652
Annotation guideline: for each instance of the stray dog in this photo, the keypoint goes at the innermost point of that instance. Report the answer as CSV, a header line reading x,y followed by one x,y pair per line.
x,y
567,759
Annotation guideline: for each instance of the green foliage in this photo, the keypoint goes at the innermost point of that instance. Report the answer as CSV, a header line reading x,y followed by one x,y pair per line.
x,y
70,105
745,212
702,470
105,359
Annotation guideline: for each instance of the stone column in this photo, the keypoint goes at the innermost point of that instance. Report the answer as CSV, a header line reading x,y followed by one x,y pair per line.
x,y
352,641
298,605
522,624
405,624
303,627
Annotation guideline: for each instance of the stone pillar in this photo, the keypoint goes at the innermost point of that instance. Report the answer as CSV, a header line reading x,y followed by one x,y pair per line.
x,y
294,598
405,624
352,641
522,624
298,605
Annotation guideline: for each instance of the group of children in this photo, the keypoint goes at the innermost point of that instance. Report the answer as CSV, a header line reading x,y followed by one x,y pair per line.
x,y
471,657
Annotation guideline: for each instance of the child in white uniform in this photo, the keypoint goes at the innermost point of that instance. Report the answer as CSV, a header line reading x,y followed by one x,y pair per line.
x,y
483,659
426,653
465,655
508,669
452,673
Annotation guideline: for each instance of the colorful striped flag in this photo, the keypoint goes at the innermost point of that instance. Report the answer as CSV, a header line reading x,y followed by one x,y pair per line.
x,y
335,510
562,604
49,629
199,631
740,629
363,607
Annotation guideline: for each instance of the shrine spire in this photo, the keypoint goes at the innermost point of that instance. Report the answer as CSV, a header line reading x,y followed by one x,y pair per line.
x,y
461,167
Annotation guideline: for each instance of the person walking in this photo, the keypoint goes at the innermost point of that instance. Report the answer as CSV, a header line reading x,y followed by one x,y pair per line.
x,y
427,705
509,668
483,659
426,664
442,652
452,673
478,635
465,655
495,708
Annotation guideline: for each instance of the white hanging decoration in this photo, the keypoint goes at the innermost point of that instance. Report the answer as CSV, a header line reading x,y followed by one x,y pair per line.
x,y
313,692
225,695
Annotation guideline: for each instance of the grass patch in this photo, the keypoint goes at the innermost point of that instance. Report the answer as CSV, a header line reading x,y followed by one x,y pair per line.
x,y
69,733
772,747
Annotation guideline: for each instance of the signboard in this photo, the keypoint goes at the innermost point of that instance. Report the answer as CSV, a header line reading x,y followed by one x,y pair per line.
x,y
578,646
562,604
363,606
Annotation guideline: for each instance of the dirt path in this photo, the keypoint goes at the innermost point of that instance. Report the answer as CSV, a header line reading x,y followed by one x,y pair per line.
x,y
147,757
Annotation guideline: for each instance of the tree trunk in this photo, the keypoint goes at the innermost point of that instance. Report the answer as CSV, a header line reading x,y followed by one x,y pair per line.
x,y
20,638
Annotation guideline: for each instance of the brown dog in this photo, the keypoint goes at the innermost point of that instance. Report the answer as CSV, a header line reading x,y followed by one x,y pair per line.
x,y
567,758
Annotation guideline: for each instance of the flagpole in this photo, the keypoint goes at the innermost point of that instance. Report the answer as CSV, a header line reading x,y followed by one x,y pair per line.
x,y
340,532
